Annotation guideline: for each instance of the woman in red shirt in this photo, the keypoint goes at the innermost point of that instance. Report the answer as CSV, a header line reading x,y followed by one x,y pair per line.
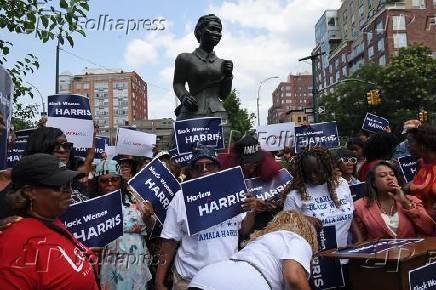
x,y
38,252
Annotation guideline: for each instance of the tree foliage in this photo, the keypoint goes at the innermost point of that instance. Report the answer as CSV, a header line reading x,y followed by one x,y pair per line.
x,y
239,118
23,116
43,19
406,85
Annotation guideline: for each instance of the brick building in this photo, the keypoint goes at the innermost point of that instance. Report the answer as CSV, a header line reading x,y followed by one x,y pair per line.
x,y
295,94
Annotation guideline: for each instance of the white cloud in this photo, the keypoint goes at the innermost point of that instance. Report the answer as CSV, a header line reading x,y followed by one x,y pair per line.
x,y
263,38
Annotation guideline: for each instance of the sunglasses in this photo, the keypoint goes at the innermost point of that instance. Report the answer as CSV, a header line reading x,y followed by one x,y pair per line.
x,y
114,180
201,166
66,146
352,160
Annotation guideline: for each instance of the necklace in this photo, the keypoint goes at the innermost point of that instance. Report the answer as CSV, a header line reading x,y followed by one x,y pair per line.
x,y
391,210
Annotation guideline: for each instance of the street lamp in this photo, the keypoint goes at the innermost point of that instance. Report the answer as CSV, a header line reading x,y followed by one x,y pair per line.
x,y
42,98
258,96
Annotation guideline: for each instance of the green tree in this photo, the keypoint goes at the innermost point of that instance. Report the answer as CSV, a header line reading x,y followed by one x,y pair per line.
x,y
44,20
406,85
23,116
240,120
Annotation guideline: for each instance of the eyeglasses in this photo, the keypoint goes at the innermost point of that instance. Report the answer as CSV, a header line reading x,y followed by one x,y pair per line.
x,y
352,160
67,146
114,180
201,166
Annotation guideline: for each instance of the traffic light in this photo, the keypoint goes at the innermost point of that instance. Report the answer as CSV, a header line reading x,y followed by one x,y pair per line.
x,y
423,116
373,97
370,98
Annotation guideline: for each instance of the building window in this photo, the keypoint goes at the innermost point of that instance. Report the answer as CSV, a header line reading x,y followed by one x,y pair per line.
x,y
86,86
381,45
434,3
420,4
379,28
399,22
344,71
370,52
400,40
78,85
369,37
382,60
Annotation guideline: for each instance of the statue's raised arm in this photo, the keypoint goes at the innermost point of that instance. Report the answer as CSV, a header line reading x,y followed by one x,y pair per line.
x,y
209,78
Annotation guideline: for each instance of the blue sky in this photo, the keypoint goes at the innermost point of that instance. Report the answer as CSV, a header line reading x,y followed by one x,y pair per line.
x,y
263,38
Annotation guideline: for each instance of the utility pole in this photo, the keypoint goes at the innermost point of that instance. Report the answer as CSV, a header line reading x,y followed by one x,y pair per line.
x,y
313,57
258,96
57,69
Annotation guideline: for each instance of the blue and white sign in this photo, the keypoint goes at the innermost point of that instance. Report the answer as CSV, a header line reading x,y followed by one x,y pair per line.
x,y
135,143
16,151
6,91
378,246
205,131
408,165
357,190
100,146
318,134
212,199
72,114
182,160
423,278
269,190
326,273
374,124
96,222
156,184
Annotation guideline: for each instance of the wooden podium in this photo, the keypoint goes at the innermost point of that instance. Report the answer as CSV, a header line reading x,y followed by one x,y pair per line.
x,y
385,270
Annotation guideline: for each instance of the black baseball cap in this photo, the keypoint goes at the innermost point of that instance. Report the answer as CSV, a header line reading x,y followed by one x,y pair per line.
x,y
41,169
203,151
248,149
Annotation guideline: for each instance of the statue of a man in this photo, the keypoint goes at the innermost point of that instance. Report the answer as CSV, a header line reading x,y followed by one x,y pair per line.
x,y
209,78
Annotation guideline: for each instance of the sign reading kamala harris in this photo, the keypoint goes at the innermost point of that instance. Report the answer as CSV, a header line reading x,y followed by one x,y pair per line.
x,y
136,143
408,165
373,123
326,273
156,184
269,190
207,131
212,199
423,278
318,134
100,145
15,153
72,114
182,160
96,222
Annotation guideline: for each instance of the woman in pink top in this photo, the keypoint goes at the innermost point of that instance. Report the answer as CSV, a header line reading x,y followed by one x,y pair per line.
x,y
385,211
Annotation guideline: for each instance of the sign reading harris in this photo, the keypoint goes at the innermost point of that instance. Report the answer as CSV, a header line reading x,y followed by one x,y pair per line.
x,y
423,278
182,160
319,134
156,184
408,165
207,131
100,145
96,222
212,199
276,136
15,153
373,123
269,190
135,143
72,114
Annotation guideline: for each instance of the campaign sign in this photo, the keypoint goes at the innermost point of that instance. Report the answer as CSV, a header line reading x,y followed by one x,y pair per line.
x,y
269,190
135,143
72,114
326,273
182,160
318,134
357,190
111,151
96,222
205,131
16,151
423,278
100,146
378,246
374,124
6,91
408,166
156,184
276,136
213,199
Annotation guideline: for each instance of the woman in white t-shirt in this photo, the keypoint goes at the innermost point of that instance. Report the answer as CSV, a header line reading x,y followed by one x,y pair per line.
x,y
276,257
319,194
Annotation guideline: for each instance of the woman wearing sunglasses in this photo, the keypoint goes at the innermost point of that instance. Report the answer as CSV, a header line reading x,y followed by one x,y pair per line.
x,y
346,163
125,260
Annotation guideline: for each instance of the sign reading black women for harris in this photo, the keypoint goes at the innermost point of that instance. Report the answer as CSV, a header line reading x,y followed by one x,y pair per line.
x,y
205,131
318,134
72,114
213,199
100,145
16,151
408,165
423,278
96,222
156,184
269,190
374,124
326,273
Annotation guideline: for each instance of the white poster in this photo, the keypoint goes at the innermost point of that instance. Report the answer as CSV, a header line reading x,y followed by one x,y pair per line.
x,y
276,136
136,143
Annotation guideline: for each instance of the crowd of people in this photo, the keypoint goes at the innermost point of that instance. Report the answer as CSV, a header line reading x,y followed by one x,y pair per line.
x,y
269,246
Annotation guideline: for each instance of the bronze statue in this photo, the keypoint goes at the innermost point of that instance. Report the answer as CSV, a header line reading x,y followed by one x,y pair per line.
x,y
209,78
